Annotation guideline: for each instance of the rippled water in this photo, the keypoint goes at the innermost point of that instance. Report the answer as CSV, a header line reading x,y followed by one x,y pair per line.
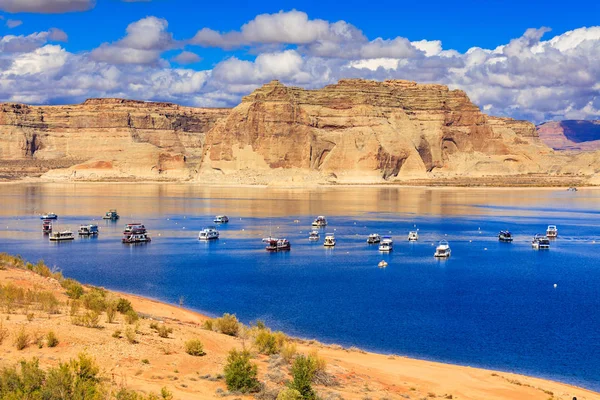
x,y
490,305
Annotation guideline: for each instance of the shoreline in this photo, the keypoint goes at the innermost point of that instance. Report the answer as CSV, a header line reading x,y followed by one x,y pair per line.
x,y
204,315
153,362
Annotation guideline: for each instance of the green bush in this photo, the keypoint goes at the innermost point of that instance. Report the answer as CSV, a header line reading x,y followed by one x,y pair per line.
x,y
289,394
130,335
74,288
111,311
131,316
227,324
51,339
208,325
124,306
240,373
303,372
94,300
22,339
288,351
269,343
194,347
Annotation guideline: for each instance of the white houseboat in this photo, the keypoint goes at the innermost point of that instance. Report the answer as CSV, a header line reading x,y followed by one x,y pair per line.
x,y
374,238
88,230
209,233
442,250
329,240
61,236
386,245
552,231
320,222
413,236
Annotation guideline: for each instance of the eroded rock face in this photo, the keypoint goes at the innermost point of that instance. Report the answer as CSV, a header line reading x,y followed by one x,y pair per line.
x,y
577,135
357,128
108,138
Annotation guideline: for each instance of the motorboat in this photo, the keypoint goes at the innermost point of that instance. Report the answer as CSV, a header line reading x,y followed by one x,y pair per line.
x,y
386,245
272,245
505,236
382,264
283,245
111,215
320,222
209,233
49,216
134,228
221,219
374,238
61,236
136,238
552,231
540,242
47,226
88,230
413,236
442,250
329,240
313,236
572,189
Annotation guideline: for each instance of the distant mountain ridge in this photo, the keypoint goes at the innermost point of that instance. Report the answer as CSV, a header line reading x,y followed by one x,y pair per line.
x,y
578,135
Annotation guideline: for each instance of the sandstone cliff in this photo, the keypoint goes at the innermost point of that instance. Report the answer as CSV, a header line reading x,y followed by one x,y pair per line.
x,y
355,131
104,139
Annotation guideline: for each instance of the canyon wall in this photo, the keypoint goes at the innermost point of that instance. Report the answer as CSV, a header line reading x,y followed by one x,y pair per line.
x,y
571,135
355,131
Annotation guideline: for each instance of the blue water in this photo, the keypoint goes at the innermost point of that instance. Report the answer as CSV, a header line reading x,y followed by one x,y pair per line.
x,y
491,305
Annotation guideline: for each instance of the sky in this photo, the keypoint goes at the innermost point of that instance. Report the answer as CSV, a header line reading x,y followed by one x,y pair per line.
x,y
523,59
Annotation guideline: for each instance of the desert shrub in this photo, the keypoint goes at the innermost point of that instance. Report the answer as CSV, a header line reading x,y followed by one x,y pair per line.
x,y
111,311
90,319
30,316
289,394
3,332
208,325
51,339
303,372
288,351
124,306
240,373
73,288
269,343
164,331
75,305
131,316
227,324
194,347
117,334
130,335
21,339
42,269
260,324
48,302
94,300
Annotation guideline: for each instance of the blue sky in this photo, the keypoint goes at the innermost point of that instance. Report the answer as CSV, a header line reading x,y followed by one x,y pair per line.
x,y
495,50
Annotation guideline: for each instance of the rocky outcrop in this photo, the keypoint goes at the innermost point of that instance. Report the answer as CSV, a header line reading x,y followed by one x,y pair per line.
x,y
574,135
378,131
355,131
106,138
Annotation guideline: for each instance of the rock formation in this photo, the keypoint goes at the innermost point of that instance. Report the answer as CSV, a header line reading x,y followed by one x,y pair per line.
x,y
355,131
571,135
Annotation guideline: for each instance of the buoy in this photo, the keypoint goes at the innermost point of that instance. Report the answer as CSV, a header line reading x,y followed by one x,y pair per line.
x,y
485,248
555,285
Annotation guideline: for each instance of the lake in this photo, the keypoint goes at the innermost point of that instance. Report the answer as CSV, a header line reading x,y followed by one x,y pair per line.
x,y
491,305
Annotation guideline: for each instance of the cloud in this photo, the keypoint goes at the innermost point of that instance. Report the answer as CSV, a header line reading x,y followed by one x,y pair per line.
x,y
28,43
186,57
144,43
46,6
535,76
13,23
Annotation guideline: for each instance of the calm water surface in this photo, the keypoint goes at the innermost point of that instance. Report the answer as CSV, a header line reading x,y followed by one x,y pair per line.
x,y
490,305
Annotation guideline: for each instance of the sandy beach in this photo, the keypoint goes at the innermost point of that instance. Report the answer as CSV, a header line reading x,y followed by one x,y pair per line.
x,y
155,362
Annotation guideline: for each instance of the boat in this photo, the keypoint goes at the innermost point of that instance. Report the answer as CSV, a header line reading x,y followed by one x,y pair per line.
x,y
283,245
49,216
329,240
313,236
221,219
505,236
387,244
134,228
442,250
320,222
382,264
209,233
374,238
552,231
111,215
572,189
88,230
540,242
61,236
47,226
136,238
272,245
413,236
